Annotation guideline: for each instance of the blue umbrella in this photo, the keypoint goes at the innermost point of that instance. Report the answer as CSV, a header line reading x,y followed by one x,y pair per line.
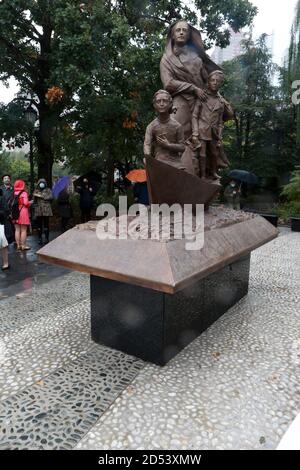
x,y
244,176
61,184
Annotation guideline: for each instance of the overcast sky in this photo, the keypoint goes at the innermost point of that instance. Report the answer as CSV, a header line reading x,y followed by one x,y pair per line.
x,y
274,16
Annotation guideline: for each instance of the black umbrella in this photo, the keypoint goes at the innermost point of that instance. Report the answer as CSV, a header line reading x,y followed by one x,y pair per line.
x,y
94,181
244,176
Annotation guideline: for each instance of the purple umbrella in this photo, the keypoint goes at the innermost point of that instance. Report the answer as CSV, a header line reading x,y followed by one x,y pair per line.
x,y
61,184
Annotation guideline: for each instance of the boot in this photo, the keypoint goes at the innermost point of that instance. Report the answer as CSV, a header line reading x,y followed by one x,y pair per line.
x,y
46,232
40,237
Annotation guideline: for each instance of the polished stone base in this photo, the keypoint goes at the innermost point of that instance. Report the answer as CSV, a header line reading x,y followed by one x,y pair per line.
x,y
149,297
155,326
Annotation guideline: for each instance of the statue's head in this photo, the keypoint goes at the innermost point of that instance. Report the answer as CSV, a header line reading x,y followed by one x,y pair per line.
x,y
162,102
215,80
181,33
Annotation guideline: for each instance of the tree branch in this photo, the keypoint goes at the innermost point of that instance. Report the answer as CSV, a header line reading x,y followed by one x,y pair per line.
x,y
29,100
18,54
31,29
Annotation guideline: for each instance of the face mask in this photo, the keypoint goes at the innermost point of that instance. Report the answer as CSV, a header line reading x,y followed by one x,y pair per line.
x,y
232,185
42,185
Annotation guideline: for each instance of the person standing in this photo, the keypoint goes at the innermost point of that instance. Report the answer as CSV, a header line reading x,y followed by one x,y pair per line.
x,y
232,195
140,193
7,188
4,212
8,194
87,195
19,206
64,209
42,198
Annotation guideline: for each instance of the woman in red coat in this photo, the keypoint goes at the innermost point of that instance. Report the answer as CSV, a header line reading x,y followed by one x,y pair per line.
x,y
23,220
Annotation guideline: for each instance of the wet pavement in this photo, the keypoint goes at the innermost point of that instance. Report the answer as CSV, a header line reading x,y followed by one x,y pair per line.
x,y
234,387
26,270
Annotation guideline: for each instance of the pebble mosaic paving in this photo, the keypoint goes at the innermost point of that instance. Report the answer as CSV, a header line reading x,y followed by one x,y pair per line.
x,y
237,386
54,381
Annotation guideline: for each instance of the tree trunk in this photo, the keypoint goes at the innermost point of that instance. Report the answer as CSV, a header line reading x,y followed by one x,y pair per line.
x,y
110,172
247,136
239,141
44,145
47,118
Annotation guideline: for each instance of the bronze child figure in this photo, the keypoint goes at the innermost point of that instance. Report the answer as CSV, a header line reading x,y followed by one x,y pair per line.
x,y
165,134
207,125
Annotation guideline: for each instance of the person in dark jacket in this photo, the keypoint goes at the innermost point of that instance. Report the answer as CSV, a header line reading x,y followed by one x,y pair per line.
x,y
8,194
140,193
7,188
87,195
4,213
64,209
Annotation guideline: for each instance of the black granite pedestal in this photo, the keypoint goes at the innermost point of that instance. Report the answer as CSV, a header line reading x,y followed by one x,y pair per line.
x,y
149,297
155,326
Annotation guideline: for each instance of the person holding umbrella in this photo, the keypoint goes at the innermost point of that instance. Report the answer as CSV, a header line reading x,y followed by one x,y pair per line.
x,y
140,190
61,193
234,190
87,194
232,195
64,209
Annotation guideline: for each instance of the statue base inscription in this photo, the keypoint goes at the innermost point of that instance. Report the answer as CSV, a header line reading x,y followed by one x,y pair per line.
x,y
150,298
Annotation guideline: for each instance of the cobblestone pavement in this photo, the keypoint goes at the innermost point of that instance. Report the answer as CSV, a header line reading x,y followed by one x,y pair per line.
x,y
234,387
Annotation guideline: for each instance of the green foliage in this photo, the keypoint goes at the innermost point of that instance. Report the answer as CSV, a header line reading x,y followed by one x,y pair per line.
x,y
104,58
13,126
261,138
292,190
218,16
291,194
289,209
15,164
291,70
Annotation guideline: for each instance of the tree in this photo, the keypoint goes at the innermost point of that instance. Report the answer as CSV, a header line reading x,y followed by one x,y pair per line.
x,y
13,126
291,193
15,164
111,123
64,53
291,70
256,140
40,42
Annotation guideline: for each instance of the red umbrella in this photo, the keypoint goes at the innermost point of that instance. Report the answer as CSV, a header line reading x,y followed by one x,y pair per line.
x,y
137,176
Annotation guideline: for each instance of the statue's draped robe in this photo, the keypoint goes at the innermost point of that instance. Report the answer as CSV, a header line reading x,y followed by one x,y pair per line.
x,y
182,70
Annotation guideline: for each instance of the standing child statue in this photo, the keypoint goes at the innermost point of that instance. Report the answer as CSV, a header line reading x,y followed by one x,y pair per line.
x,y
207,126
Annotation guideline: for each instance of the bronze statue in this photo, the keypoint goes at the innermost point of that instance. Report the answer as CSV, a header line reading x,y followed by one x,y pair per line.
x,y
184,69
165,134
207,126
194,135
